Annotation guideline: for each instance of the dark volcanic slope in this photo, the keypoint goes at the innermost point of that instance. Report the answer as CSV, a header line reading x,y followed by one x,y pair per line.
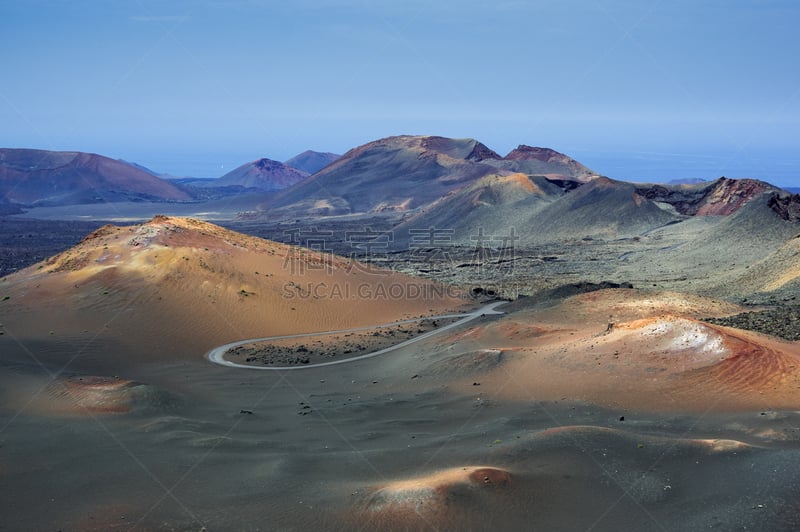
x,y
721,197
602,208
537,210
39,177
265,174
493,204
391,174
746,252
312,161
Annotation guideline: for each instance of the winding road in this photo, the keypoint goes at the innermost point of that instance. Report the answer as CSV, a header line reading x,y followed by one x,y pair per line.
x,y
217,355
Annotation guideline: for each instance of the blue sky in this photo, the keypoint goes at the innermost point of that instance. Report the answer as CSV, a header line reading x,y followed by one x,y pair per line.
x,y
636,89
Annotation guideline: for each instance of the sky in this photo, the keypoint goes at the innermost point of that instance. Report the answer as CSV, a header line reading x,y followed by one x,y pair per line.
x,y
635,89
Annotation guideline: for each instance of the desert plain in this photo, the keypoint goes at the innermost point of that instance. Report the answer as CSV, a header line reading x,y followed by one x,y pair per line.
x,y
597,375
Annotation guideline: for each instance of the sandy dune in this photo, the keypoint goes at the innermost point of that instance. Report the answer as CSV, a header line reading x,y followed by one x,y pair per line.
x,y
437,499
631,349
96,394
174,287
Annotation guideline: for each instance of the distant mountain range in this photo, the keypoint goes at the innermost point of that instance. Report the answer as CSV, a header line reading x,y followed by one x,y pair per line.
x,y
463,187
263,174
311,162
39,177
35,178
423,182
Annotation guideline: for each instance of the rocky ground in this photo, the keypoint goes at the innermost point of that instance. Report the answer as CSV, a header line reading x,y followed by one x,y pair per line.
x,y
24,242
781,321
327,347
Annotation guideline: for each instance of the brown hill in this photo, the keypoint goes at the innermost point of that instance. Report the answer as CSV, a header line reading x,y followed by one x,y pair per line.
x,y
639,350
264,174
177,287
311,162
39,177
392,174
546,162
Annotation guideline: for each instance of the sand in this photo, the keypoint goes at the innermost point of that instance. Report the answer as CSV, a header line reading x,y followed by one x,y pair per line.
x,y
381,450
665,359
172,287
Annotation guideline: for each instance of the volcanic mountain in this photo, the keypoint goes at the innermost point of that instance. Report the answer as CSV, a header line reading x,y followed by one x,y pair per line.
x,y
491,205
392,174
39,177
174,287
536,210
545,162
543,209
404,173
720,197
311,162
264,174
602,208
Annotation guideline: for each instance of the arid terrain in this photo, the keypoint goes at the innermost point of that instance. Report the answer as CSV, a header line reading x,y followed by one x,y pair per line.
x,y
606,356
